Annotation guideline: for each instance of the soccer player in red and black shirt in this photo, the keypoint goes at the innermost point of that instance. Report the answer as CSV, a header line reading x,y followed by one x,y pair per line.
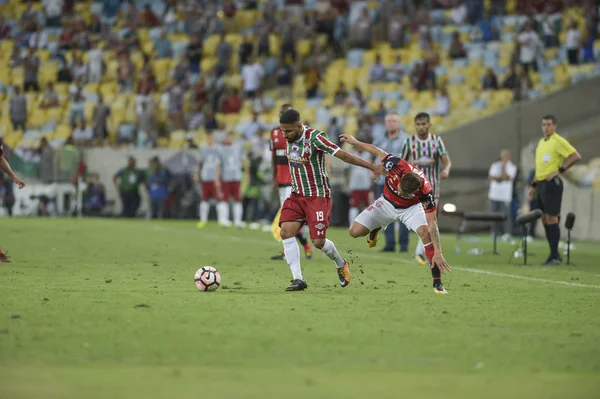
x,y
407,197
5,167
282,179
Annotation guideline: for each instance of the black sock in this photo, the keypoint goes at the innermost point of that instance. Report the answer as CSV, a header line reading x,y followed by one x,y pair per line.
x,y
373,232
553,234
301,238
435,272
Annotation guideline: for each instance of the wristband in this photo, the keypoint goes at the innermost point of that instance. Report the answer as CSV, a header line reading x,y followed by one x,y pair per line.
x,y
561,170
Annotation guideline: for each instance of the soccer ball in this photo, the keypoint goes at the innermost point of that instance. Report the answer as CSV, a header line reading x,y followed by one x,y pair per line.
x,y
207,278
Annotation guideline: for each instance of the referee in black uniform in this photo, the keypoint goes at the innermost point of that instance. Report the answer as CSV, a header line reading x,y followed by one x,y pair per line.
x,y
553,155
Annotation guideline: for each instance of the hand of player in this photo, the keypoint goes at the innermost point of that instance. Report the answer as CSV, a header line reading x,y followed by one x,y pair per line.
x,y
552,176
19,182
344,138
439,261
531,193
444,174
379,170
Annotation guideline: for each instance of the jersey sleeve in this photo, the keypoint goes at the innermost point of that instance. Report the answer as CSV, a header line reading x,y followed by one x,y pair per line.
x,y
426,197
564,148
441,147
322,143
405,151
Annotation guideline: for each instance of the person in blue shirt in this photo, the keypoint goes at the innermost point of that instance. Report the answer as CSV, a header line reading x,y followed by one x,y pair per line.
x,y
94,198
158,182
489,31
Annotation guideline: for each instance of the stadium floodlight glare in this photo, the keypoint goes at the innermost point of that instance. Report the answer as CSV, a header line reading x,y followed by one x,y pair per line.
x,y
450,208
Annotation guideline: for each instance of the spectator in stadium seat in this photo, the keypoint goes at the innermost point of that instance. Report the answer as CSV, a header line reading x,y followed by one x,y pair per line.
x,y
195,119
459,12
224,51
573,43
65,40
285,77
530,45
442,101
361,33
125,72
210,121
259,103
262,29
163,46
52,12
64,74
199,93
31,70
356,99
128,181
28,20
194,54
340,32
229,9
490,80
77,106
245,50
334,130
290,32
38,40
146,129
176,95
149,17
341,94
510,82
421,17
487,27
95,64
396,31
523,84
549,29
82,134
18,110
49,97
312,78
377,72
457,48
254,127
231,102
130,14
95,27
4,28
252,74
396,71
100,116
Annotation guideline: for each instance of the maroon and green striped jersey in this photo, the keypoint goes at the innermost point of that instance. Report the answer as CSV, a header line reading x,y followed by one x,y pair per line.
x,y
427,156
306,158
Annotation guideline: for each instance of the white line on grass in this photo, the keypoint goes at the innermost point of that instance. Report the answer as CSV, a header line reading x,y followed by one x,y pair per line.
x,y
401,260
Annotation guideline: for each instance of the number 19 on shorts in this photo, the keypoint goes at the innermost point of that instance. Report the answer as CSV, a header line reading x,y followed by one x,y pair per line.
x,y
320,216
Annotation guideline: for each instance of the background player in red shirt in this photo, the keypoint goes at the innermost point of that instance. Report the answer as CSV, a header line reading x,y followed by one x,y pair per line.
x,y
310,201
282,180
407,197
5,167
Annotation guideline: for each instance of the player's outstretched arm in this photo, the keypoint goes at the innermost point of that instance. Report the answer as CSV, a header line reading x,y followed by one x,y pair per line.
x,y
4,166
359,145
354,160
438,258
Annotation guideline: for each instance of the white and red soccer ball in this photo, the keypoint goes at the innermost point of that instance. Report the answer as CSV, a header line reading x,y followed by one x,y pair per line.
x,y
207,278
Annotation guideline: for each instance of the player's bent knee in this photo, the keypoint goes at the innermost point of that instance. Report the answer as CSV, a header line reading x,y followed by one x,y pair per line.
x,y
357,230
318,243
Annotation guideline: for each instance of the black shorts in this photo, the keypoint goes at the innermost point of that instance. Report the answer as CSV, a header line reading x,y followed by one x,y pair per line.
x,y
549,196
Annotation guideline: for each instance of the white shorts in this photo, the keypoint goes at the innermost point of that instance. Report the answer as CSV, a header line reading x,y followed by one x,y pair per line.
x,y
381,213
284,193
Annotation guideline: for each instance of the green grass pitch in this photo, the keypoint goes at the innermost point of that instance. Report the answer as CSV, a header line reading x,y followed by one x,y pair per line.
x,y
108,309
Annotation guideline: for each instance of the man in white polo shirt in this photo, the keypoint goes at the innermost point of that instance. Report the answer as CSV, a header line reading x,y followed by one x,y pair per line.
x,y
252,74
530,46
502,175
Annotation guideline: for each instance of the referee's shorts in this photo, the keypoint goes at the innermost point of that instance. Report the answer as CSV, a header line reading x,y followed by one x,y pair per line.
x,y
549,196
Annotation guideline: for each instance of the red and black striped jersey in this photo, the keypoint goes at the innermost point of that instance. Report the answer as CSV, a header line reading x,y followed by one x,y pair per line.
x,y
398,167
278,146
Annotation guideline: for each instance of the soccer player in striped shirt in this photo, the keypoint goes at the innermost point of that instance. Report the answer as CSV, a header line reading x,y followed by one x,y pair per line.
x,y
5,167
310,201
428,153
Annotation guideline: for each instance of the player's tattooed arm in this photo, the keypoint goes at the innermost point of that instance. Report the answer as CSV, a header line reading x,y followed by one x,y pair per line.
x,y
435,231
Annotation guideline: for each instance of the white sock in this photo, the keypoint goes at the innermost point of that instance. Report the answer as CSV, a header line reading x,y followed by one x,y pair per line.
x,y
238,210
332,253
420,250
204,208
352,214
292,256
223,212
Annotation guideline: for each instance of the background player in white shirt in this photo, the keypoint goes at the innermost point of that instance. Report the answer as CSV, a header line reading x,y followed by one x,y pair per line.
x,y
210,181
502,175
231,165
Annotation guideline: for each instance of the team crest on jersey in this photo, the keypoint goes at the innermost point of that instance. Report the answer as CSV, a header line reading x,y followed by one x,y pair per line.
x,y
294,158
320,226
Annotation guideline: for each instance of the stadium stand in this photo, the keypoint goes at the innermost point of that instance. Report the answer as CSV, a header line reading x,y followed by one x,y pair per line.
x,y
456,60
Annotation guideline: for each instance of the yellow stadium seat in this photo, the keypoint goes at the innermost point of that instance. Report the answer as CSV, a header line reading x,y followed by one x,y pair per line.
x,y
210,45
274,44
303,47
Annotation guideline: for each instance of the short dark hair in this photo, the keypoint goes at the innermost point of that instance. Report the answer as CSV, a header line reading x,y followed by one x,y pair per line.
x,y
284,108
410,183
550,117
289,117
423,115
